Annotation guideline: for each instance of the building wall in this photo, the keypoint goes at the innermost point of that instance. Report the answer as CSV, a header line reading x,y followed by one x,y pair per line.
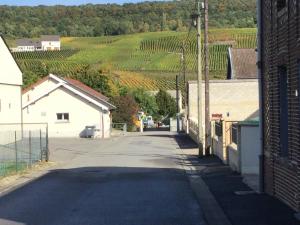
x,y
50,45
81,114
38,90
25,49
10,104
236,100
281,47
249,149
10,72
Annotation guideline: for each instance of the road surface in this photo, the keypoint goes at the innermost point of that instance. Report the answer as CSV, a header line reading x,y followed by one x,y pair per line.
x,y
131,180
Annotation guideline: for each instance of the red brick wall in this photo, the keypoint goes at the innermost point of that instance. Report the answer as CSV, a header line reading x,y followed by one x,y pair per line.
x,y
281,46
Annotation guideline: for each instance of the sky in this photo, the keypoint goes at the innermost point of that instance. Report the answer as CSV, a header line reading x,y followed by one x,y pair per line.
x,y
65,2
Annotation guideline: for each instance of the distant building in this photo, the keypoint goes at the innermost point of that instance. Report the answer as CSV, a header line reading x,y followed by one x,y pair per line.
x,y
50,42
68,106
280,53
45,43
10,87
27,45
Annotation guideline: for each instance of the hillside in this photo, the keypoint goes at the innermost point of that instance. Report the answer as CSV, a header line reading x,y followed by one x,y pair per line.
x,y
111,19
150,60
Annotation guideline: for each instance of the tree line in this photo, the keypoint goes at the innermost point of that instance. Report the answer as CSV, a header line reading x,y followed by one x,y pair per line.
x,y
113,19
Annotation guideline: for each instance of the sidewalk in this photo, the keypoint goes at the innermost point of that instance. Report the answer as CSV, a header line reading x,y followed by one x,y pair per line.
x,y
236,199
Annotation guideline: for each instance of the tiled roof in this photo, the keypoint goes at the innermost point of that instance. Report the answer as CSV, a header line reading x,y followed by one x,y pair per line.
x,y
50,37
243,63
85,88
28,42
75,83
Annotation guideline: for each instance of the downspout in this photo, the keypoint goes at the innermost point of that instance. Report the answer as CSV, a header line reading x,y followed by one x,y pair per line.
x,y
102,124
261,97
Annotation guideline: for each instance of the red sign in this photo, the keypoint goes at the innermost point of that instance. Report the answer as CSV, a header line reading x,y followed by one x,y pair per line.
x,y
216,116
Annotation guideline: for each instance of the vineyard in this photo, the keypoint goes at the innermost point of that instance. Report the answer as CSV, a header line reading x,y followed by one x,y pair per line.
x,y
149,60
45,55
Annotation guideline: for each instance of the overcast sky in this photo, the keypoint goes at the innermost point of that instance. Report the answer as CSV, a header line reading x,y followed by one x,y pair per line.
x,y
65,2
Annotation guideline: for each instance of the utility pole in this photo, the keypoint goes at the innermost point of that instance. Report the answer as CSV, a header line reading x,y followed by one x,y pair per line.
x,y
185,87
196,17
177,103
206,60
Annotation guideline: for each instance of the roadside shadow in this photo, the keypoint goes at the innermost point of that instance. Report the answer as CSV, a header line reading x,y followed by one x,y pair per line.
x,y
103,195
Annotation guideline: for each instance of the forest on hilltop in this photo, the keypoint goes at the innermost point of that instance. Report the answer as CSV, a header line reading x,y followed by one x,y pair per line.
x,y
112,19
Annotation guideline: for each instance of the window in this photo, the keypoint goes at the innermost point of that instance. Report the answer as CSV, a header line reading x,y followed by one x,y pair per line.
x,y
283,92
281,4
62,116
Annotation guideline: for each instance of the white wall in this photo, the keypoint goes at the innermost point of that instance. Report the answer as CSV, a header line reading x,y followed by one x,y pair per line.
x,y
250,150
10,104
239,98
53,45
38,90
9,70
81,114
233,157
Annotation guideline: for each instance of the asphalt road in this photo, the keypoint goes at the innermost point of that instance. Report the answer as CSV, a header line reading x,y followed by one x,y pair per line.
x,y
131,180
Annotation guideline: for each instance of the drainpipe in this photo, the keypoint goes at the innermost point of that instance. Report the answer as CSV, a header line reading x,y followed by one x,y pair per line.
x,y
261,98
102,124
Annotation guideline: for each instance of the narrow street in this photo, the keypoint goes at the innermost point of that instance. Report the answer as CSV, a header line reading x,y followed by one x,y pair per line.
x,y
130,180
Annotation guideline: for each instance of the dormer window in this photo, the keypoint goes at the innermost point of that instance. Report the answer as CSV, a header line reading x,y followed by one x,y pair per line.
x,y
281,4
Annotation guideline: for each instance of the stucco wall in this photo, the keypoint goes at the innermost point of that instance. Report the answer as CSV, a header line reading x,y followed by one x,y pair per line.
x,y
233,157
81,114
50,44
10,72
236,100
38,90
10,104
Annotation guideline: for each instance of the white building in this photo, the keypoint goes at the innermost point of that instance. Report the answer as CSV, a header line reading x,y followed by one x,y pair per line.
x,y
10,87
68,106
45,43
50,42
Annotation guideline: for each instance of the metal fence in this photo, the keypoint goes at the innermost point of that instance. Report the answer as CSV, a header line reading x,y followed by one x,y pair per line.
x,y
21,146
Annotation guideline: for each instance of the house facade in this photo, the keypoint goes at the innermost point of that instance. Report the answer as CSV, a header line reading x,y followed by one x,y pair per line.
x,y
280,75
10,87
27,45
45,43
68,106
50,42
232,100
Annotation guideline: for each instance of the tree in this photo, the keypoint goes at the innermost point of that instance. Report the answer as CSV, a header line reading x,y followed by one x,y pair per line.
x,y
126,111
146,102
166,104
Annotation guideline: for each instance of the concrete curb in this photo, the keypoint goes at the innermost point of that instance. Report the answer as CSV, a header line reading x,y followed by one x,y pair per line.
x,y
213,213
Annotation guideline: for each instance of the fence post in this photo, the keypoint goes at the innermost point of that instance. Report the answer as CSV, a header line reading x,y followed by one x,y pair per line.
x,y
30,150
47,145
16,151
41,146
